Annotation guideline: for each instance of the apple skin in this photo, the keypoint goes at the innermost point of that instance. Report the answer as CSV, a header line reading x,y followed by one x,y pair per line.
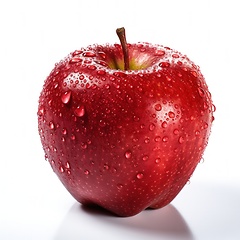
x,y
125,140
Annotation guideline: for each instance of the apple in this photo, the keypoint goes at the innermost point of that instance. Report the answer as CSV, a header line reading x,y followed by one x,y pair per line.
x,y
125,125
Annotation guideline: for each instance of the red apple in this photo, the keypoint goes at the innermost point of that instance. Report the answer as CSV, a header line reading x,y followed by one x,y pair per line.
x,y
124,126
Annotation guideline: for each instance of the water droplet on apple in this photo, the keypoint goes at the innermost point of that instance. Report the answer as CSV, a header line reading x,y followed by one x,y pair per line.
x,y
164,64
46,157
205,125
101,72
119,186
77,52
140,176
160,52
61,169
176,131
63,139
165,139
89,54
180,139
201,92
175,55
157,160
201,160
73,137
194,73
145,158
213,108
157,138
75,60
128,154
102,55
66,97
168,78
151,126
84,145
164,124
147,140
171,114
106,167
64,131
197,133
91,67
67,165
41,111
158,107
86,172
51,125
79,111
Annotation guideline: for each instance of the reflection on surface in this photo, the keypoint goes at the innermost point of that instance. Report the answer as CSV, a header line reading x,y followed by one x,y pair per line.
x,y
96,223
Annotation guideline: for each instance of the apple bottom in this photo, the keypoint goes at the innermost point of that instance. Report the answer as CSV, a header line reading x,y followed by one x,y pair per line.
x,y
125,199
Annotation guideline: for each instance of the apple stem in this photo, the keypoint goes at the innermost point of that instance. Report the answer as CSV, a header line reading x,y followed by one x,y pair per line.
x,y
122,37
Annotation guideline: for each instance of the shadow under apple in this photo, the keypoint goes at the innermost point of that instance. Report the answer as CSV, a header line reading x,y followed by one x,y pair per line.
x,y
88,223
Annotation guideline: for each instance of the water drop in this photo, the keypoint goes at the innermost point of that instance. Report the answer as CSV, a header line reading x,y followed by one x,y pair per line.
x,y
79,111
91,67
165,139
51,125
175,55
86,172
41,111
64,131
158,107
157,160
171,114
157,138
84,145
128,154
139,175
205,125
106,167
102,55
89,54
73,137
75,60
50,102
176,131
119,186
151,127
181,140
160,52
168,78
77,52
66,97
164,64
61,169
197,133
101,72
67,165
194,73
213,108
164,124
147,140
145,158
201,92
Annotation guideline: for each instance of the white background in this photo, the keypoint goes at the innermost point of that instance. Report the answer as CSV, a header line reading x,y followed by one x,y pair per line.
x,y
36,34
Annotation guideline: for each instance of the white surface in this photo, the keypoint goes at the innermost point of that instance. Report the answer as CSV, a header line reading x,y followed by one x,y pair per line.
x,y
35,35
